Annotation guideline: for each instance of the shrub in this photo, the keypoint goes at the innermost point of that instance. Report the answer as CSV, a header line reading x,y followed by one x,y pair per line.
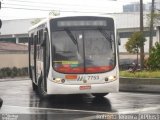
x,y
13,72
153,62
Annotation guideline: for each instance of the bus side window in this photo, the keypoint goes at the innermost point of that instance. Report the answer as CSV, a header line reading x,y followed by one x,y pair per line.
x,y
32,50
40,45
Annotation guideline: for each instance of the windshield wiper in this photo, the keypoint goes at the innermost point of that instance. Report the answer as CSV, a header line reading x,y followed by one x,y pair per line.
x,y
106,35
72,38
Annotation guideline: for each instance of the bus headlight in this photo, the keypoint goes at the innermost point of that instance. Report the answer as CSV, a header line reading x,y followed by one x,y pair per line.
x,y
58,80
112,78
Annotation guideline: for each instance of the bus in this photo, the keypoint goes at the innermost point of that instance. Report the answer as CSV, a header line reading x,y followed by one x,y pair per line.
x,y
74,55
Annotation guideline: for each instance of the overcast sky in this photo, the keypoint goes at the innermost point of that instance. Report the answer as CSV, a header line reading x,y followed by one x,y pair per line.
x,y
20,9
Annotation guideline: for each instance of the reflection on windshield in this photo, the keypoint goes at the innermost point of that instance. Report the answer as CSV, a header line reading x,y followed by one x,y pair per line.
x,y
82,51
72,38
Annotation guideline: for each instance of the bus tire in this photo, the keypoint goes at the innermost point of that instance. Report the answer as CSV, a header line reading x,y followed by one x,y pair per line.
x,y
41,90
99,94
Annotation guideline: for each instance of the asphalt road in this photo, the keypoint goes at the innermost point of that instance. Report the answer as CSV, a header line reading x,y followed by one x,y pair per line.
x,y
20,102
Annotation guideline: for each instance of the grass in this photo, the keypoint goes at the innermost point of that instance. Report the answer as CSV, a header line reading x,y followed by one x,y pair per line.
x,y
141,74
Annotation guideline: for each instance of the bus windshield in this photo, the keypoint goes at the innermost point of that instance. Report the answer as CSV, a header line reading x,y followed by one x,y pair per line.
x,y
83,51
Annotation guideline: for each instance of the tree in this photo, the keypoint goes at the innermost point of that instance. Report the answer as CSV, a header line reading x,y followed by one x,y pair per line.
x,y
54,13
141,30
35,21
135,42
153,61
156,18
153,19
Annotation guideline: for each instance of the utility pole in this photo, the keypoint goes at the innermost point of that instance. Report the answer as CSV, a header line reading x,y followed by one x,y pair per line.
x,y
151,27
1,101
0,19
141,30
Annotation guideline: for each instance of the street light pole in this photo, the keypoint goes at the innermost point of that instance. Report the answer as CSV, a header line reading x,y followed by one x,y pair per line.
x,y
141,30
151,27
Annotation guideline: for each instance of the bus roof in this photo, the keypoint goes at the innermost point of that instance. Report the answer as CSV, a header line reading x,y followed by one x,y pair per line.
x,y
63,16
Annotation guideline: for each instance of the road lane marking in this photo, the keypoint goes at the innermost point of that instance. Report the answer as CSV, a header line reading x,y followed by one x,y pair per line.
x,y
138,110
121,111
126,111
57,109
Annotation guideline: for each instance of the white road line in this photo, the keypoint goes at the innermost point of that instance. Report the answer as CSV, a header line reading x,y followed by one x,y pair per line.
x,y
131,111
121,111
126,111
54,109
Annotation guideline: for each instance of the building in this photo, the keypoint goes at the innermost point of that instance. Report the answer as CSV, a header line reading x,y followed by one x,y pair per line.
x,y
15,31
135,7
127,23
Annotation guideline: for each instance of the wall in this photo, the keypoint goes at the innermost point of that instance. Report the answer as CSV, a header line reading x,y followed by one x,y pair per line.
x,y
16,59
140,84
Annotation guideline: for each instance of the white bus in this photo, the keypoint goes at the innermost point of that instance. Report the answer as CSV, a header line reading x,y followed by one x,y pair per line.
x,y
74,55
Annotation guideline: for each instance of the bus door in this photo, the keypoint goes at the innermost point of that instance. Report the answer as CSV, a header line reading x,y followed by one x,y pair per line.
x,y
45,56
34,58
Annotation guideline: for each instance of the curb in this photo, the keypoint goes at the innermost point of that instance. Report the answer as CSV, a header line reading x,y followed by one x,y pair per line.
x,y
14,79
125,84
140,85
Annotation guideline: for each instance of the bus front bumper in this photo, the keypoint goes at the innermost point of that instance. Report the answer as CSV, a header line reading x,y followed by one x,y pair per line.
x,y
54,88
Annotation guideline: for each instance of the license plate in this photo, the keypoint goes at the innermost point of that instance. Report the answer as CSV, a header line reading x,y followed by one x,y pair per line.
x,y
85,87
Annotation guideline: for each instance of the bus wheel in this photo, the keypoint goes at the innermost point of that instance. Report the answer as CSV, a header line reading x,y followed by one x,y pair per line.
x,y
41,91
99,94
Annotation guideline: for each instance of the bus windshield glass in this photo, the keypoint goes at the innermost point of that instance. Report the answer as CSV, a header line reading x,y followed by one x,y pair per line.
x,y
83,50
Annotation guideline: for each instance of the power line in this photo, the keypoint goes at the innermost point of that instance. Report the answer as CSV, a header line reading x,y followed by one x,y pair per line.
x,y
22,5
26,8
12,4
52,9
49,3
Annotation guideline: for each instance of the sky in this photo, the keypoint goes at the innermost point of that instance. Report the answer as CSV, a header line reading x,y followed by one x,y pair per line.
x,y
22,9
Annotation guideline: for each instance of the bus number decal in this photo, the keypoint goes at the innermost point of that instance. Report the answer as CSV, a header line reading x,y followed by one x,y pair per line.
x,y
93,77
81,78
